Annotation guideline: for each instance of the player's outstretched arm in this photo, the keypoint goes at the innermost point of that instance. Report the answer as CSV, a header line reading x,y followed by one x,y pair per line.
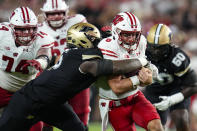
x,y
116,67
189,85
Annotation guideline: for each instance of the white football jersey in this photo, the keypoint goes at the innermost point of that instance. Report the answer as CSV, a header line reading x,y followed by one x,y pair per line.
x,y
112,50
12,58
60,34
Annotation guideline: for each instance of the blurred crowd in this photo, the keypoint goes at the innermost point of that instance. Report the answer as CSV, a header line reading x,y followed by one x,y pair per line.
x,y
179,15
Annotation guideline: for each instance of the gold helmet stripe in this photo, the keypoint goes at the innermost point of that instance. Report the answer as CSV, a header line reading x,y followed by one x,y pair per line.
x,y
157,33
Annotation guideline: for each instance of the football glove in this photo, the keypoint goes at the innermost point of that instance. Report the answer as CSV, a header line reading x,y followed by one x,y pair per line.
x,y
168,101
31,67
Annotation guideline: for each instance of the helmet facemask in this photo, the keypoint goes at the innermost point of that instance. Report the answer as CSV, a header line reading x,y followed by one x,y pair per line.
x,y
129,39
158,52
24,35
56,19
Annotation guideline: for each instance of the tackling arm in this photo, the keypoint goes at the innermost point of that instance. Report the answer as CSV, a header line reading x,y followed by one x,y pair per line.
x,y
116,67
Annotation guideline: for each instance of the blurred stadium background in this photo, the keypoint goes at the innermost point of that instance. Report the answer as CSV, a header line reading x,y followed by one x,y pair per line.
x,y
179,15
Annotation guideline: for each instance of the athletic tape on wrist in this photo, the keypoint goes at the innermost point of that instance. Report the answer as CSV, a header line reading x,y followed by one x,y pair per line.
x,y
43,63
135,80
143,61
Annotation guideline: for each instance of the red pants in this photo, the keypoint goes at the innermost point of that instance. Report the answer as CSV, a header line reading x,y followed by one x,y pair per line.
x,y
80,104
133,109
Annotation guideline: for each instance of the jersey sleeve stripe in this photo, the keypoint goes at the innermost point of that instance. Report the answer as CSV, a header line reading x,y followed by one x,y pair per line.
x,y
48,45
179,74
108,51
110,55
87,57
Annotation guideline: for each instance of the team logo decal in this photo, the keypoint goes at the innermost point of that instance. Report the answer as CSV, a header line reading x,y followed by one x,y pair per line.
x,y
117,19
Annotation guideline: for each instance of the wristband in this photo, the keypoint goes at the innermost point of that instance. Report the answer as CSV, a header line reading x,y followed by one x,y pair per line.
x,y
176,98
143,61
43,60
135,80
43,63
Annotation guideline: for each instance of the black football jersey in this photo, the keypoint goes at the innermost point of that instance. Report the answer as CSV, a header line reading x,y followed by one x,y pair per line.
x,y
64,79
174,71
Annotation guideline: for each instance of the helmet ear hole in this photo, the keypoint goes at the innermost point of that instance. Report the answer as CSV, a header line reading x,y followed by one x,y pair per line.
x,y
82,41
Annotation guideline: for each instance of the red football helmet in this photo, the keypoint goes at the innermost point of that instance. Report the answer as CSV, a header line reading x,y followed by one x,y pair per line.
x,y
126,29
24,22
55,12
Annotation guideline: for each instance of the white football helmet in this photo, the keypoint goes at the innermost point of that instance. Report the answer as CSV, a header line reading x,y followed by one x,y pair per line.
x,y
126,23
55,7
24,23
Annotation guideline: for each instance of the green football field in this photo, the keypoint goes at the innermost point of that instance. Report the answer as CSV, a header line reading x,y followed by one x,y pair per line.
x,y
97,127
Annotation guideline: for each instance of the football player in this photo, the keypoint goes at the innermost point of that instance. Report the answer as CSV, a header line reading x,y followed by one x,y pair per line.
x,y
121,101
57,21
174,75
43,98
23,50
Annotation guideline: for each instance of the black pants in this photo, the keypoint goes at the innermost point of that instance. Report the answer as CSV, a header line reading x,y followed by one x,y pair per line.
x,y
22,113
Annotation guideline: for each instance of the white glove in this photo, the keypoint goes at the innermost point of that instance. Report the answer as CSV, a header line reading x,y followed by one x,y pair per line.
x,y
168,101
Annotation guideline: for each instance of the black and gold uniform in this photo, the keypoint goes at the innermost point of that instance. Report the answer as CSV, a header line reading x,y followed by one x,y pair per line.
x,y
43,98
65,79
173,67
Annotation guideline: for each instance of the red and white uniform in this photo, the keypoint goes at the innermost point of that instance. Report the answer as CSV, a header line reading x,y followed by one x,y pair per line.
x,y
80,102
128,108
13,58
60,34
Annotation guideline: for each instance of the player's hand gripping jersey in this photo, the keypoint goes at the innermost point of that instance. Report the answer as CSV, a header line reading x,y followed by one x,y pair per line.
x,y
13,58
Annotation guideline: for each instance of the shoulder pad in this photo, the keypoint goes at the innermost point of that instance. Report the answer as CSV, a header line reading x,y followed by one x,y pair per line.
x,y
91,53
109,48
76,19
143,41
5,30
45,40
